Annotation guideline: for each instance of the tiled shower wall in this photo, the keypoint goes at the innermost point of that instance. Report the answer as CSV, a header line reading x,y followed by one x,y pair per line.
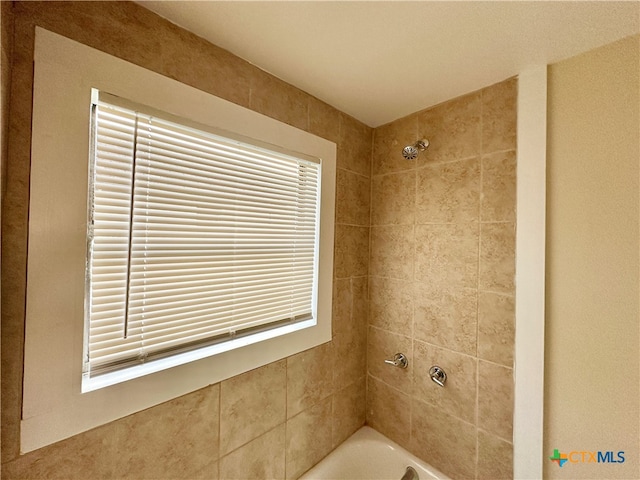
x,y
273,422
442,283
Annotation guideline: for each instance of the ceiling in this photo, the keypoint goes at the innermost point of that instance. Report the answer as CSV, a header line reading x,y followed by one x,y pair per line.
x,y
382,60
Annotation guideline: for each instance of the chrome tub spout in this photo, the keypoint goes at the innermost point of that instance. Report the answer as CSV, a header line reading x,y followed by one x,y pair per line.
x,y
410,474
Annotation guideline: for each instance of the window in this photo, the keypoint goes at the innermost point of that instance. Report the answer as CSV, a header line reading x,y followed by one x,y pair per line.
x,y
198,243
66,76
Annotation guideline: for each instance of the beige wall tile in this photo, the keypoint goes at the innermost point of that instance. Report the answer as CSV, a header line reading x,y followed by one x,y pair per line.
x,y
277,99
499,116
354,147
88,455
495,399
349,410
15,204
447,318
448,192
496,328
447,255
349,358
351,251
499,187
308,438
209,472
352,198
392,251
7,23
495,458
391,305
140,36
176,439
447,443
388,411
350,305
458,396
252,404
341,306
393,198
383,345
497,257
360,305
7,47
260,459
452,128
389,140
309,378
324,120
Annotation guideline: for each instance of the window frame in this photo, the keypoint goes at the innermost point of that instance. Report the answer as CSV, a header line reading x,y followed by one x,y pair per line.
x,y
125,369
65,72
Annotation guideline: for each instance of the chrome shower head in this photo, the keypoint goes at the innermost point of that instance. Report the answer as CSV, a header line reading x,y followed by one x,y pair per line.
x,y
410,152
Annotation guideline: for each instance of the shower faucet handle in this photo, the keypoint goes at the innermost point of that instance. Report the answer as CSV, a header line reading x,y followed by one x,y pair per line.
x,y
438,375
399,360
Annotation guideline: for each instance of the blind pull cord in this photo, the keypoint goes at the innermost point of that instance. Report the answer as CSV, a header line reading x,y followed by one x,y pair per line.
x,y
131,212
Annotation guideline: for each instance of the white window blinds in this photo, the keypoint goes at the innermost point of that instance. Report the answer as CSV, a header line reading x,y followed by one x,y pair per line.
x,y
194,238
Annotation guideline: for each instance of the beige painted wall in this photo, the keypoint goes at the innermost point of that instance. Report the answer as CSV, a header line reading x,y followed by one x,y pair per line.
x,y
592,344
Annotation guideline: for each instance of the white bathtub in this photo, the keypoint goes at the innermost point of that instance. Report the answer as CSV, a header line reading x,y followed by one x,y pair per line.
x,y
369,455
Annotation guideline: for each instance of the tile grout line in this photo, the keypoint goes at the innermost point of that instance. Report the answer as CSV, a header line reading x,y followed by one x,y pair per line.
x,y
413,289
369,254
453,289
477,399
353,172
442,347
286,412
219,425
487,432
417,399
352,322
